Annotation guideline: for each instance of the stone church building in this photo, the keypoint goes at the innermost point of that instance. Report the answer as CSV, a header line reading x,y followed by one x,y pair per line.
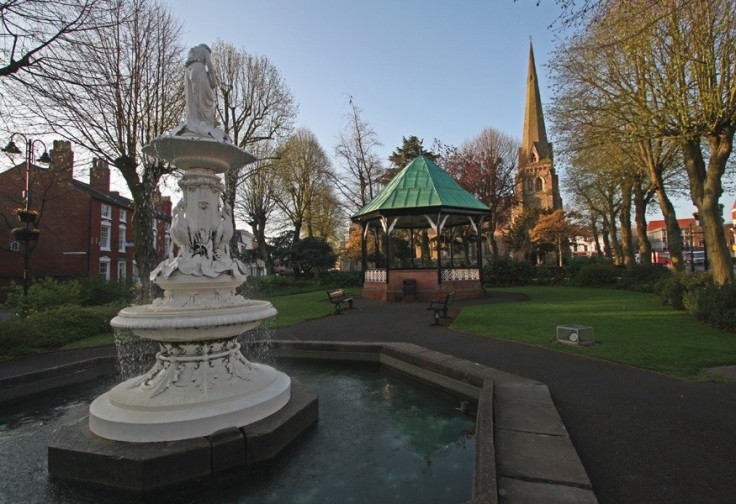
x,y
536,181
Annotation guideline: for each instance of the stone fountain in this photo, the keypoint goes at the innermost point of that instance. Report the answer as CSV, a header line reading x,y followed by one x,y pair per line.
x,y
201,384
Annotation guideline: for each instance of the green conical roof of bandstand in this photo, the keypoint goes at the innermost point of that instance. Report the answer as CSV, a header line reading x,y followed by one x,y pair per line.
x,y
421,187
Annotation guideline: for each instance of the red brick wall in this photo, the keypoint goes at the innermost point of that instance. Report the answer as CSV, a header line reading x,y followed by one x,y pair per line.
x,y
427,287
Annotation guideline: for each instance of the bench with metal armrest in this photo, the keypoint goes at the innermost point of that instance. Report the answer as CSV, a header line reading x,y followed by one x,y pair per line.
x,y
339,298
441,306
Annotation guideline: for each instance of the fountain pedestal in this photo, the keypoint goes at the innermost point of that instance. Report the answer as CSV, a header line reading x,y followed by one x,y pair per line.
x,y
201,382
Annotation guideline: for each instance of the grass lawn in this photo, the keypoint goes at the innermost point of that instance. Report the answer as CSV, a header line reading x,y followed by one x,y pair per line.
x,y
297,308
630,328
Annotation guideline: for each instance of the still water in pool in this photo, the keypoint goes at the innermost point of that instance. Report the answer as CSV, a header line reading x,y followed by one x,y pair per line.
x,y
379,439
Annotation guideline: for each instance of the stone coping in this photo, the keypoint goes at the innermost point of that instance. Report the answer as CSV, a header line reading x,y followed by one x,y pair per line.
x,y
523,452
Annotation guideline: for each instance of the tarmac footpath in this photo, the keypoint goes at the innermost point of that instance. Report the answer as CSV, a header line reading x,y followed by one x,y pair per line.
x,y
643,437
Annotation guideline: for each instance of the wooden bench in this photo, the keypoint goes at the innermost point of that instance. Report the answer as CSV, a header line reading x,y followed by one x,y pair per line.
x,y
339,298
441,306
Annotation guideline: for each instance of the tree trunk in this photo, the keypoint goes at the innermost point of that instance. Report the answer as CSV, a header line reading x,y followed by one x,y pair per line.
x,y
606,239
627,247
426,254
259,233
705,191
594,230
492,239
142,191
674,239
613,239
297,231
228,196
640,210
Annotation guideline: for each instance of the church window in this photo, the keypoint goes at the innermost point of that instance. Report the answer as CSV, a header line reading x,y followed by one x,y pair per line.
x,y
529,184
539,185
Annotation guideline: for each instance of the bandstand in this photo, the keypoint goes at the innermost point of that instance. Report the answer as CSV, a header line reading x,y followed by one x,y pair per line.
x,y
423,197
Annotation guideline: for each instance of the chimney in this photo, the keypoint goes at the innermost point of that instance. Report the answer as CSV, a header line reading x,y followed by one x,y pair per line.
x,y
62,159
99,177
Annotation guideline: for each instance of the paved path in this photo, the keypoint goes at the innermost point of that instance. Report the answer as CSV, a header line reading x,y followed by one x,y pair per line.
x,y
642,436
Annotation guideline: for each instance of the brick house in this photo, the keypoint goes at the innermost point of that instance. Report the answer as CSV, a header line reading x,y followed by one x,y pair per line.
x,y
691,233
85,229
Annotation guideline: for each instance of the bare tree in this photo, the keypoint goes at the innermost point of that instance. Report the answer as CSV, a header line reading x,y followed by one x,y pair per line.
x,y
301,170
326,218
254,105
255,199
360,166
129,91
485,166
35,34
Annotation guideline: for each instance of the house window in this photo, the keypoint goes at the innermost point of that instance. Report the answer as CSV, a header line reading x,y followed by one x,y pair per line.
x,y
105,268
121,238
135,275
122,270
105,235
123,215
106,211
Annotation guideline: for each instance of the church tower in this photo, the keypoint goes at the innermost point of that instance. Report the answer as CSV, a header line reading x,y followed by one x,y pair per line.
x,y
536,180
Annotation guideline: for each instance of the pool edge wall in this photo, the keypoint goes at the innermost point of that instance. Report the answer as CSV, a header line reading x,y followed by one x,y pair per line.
x,y
150,468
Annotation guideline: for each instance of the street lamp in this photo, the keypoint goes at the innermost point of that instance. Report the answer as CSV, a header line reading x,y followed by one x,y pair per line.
x,y
28,233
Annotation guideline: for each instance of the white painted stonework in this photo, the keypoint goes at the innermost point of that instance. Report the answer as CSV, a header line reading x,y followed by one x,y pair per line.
x,y
201,382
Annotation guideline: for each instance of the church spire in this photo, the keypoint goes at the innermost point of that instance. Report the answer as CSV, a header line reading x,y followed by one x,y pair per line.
x,y
534,137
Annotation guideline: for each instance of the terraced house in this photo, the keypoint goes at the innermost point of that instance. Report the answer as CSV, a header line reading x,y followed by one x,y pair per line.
x,y
85,229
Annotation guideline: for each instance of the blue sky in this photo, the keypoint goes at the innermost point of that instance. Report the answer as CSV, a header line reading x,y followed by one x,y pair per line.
x,y
432,68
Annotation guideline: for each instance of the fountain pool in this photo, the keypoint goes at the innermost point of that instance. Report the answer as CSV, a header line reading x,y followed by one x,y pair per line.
x,y
378,439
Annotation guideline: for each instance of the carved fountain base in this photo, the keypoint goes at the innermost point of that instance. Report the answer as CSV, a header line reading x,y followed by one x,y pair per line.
x,y
193,390
201,382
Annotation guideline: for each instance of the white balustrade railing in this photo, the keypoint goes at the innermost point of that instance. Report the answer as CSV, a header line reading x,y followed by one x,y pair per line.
x,y
461,274
375,275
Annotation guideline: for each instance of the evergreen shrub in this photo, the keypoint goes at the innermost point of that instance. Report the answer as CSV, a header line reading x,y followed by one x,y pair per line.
x,y
43,294
55,327
506,272
98,291
642,278
595,274
677,289
341,279
715,304
549,275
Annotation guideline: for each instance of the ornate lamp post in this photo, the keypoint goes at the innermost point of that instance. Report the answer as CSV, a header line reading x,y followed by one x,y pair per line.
x,y
28,233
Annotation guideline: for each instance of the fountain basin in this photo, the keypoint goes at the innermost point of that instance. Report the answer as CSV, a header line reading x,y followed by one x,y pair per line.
x,y
194,323
194,151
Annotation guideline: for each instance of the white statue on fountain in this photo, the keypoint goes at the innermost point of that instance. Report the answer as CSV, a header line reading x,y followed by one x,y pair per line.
x,y
201,229
201,83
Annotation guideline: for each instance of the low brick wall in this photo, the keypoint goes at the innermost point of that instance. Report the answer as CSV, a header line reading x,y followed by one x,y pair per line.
x,y
428,289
